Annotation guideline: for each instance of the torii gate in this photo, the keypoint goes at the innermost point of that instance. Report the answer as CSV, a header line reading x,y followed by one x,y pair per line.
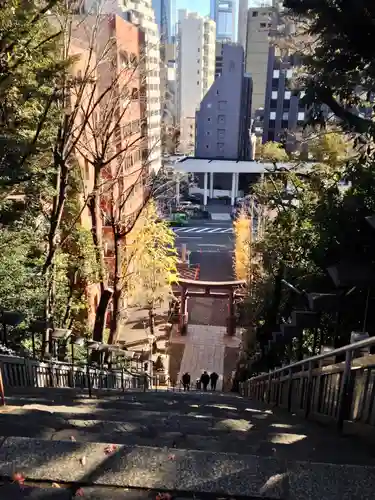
x,y
209,289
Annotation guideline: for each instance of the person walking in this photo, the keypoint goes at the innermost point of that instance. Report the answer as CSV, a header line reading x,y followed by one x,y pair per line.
x,y
186,381
214,377
205,378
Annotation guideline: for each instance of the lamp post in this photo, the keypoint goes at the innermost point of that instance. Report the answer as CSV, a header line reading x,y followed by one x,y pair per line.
x,y
37,326
10,318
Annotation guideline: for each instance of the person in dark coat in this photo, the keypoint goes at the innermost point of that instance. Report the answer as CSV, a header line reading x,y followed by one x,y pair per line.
x,y
205,378
214,377
186,381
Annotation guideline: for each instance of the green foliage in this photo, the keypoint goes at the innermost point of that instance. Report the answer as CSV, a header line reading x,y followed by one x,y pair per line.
x,y
314,223
340,61
273,152
30,68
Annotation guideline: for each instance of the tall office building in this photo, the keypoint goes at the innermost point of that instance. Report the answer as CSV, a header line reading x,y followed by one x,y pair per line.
x,y
224,118
259,23
163,18
243,7
224,13
195,57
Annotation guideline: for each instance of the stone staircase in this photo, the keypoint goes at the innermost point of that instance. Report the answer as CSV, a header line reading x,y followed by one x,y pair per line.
x,y
128,445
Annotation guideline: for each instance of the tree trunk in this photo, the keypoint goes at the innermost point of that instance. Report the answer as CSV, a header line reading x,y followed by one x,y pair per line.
x,y
100,315
49,310
117,290
96,229
151,320
96,232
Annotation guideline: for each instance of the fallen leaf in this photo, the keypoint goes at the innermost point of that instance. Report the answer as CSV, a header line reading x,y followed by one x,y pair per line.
x,y
72,438
83,460
111,448
18,478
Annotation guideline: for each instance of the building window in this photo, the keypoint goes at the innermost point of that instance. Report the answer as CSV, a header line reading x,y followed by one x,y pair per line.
x,y
199,50
254,13
208,133
220,147
221,134
217,92
263,25
273,104
286,104
207,146
275,83
197,83
198,72
284,124
274,94
289,73
208,119
273,115
222,105
301,116
276,73
286,116
288,94
221,119
209,105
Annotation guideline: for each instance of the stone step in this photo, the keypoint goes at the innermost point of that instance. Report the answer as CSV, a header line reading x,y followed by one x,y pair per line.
x,y
197,472
45,491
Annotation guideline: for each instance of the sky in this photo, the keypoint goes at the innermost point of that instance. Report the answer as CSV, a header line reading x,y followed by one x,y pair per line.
x,y
200,6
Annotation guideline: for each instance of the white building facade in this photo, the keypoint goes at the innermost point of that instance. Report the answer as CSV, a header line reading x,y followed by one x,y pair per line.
x,y
143,15
195,57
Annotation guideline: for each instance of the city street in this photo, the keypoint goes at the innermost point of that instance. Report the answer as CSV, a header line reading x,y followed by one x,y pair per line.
x,y
211,245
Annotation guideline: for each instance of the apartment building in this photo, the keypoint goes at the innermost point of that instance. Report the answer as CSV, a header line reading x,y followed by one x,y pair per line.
x,y
195,57
224,13
142,15
112,61
223,120
284,113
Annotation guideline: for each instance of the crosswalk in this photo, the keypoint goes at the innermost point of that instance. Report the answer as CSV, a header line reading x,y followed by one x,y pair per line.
x,y
203,230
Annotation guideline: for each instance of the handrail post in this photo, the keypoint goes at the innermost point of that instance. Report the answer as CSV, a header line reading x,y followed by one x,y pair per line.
x,y
268,400
309,389
344,401
290,383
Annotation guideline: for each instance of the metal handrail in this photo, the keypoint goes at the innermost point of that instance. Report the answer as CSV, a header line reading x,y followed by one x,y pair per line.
x,y
341,350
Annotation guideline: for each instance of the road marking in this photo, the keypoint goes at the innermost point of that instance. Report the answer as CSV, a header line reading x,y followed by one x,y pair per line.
x,y
202,230
220,216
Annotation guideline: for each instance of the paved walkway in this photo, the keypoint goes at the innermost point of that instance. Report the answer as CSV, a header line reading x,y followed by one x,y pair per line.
x,y
205,350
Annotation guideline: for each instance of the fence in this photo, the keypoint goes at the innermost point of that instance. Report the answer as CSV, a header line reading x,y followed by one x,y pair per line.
x,y
341,393
21,372
18,373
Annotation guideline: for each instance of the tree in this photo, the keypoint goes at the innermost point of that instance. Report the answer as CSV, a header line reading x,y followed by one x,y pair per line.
x,y
273,152
243,247
154,263
311,225
339,68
